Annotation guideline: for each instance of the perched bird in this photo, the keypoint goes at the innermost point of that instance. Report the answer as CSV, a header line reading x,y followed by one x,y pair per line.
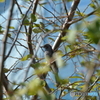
x,y
49,54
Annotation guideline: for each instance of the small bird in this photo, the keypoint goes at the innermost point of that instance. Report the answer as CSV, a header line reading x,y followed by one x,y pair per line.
x,y
49,54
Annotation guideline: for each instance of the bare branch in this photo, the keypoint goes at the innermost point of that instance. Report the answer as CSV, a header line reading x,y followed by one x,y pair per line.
x,y
30,34
3,79
75,21
17,34
30,28
66,25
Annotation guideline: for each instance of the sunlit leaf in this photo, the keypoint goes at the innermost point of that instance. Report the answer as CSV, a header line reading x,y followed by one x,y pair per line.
x,y
56,30
36,25
58,57
37,30
2,0
93,6
11,27
76,77
80,13
34,86
71,36
81,74
21,92
42,25
63,81
78,82
64,38
46,96
36,65
63,93
26,57
97,13
42,70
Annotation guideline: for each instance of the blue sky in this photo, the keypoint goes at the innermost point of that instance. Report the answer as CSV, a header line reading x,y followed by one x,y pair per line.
x,y
4,6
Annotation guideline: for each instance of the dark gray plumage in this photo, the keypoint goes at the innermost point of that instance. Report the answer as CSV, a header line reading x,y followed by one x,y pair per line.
x,y
49,53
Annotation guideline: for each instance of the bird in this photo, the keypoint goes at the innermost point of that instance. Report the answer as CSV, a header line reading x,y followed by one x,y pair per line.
x,y
49,54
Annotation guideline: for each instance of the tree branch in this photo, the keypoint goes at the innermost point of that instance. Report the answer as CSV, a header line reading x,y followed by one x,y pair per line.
x,y
66,25
30,28
29,36
17,34
3,80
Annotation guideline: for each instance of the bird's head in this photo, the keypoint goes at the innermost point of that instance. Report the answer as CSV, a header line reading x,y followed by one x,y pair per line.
x,y
47,47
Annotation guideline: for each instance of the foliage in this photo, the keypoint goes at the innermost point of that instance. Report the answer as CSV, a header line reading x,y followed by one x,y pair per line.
x,y
74,38
2,0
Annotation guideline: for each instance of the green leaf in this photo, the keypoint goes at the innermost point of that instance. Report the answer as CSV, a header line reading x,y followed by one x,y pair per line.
x,y
97,13
76,77
69,0
33,18
78,82
80,14
1,31
93,6
63,81
63,93
56,30
51,39
9,35
26,22
47,30
11,27
21,91
72,36
2,0
36,65
37,30
41,4
36,25
0,27
94,31
81,74
6,70
42,25
64,38
34,86
26,57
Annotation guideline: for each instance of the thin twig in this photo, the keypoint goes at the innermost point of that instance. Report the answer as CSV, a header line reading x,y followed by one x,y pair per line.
x,y
18,32
29,36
